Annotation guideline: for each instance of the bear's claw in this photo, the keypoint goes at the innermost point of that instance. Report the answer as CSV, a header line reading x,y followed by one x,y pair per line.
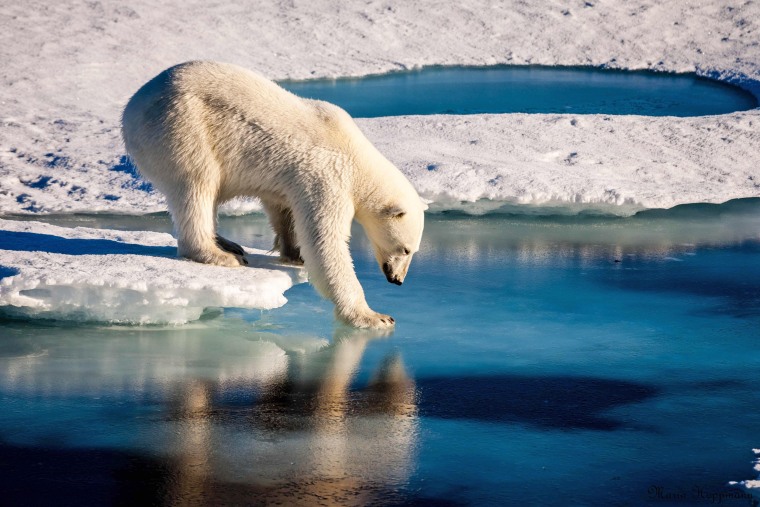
x,y
229,246
372,320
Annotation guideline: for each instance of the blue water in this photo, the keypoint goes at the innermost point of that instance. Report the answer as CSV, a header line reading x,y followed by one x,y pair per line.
x,y
536,361
527,89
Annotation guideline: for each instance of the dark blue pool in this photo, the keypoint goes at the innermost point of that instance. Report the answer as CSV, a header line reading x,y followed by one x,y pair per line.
x,y
527,89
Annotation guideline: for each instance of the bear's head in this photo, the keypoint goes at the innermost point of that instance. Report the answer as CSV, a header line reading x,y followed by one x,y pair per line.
x,y
395,233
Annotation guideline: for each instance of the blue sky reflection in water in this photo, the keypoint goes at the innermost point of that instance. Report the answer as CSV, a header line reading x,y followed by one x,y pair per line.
x,y
527,89
554,361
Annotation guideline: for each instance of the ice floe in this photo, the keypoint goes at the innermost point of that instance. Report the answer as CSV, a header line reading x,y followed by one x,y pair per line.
x,y
69,67
87,274
618,164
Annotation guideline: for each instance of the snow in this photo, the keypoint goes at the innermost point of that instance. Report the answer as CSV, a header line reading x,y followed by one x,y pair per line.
x,y
85,274
575,161
69,67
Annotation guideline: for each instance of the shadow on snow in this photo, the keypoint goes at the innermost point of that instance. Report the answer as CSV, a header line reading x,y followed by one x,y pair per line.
x,y
35,242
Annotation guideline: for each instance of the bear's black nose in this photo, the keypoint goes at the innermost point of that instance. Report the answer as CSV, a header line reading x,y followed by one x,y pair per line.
x,y
393,279
389,274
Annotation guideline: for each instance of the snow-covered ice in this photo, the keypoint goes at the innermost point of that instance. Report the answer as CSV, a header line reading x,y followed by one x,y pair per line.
x,y
618,163
69,67
87,274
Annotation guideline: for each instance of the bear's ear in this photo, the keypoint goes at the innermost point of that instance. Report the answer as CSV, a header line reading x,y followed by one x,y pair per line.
x,y
393,211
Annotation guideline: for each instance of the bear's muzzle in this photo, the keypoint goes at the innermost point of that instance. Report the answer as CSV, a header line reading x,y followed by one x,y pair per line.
x,y
390,276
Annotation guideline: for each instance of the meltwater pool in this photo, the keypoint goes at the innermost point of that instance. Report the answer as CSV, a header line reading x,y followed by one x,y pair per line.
x,y
527,89
536,361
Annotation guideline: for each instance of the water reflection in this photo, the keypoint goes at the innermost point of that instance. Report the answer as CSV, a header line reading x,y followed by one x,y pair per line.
x,y
238,416
547,401
556,241
526,239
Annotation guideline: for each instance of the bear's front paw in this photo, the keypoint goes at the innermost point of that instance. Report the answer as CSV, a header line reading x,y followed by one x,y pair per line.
x,y
371,320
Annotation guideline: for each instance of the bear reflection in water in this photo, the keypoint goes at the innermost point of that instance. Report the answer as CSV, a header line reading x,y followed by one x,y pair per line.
x,y
221,417
316,438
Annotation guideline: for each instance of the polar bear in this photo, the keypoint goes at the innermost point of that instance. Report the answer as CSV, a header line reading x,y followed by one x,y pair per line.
x,y
205,132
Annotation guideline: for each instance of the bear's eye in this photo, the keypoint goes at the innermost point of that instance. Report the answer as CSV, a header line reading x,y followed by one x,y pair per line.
x,y
393,211
406,251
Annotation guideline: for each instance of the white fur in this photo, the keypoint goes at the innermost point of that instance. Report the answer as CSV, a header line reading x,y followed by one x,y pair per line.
x,y
206,132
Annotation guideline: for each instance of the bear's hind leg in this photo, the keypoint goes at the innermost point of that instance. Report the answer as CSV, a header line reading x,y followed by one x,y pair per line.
x,y
281,219
194,216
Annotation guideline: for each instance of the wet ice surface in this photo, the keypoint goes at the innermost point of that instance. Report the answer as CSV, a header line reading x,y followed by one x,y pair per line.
x,y
554,361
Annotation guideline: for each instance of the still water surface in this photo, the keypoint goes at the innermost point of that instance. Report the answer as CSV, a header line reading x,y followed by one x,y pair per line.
x,y
527,89
536,361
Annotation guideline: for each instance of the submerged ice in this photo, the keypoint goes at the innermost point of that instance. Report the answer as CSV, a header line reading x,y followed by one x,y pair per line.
x,y
87,274
321,428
